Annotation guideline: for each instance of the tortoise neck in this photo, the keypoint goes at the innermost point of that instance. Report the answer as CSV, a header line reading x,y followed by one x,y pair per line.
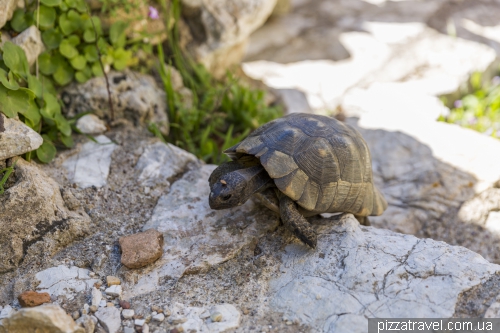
x,y
257,179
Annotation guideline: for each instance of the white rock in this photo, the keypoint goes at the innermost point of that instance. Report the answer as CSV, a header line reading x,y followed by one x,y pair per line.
x,y
90,165
494,309
88,322
128,313
45,318
102,303
231,318
193,318
197,237
96,297
128,330
493,222
115,290
91,124
30,40
8,8
159,317
6,311
145,328
109,318
64,281
16,138
160,161
139,322
367,272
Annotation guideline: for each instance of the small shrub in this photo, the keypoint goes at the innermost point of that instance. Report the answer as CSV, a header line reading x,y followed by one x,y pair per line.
x,y
480,109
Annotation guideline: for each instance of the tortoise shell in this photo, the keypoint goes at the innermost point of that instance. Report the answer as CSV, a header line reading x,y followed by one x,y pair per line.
x,y
319,162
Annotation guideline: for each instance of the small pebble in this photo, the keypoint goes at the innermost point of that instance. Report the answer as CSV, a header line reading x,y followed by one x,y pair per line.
x,y
128,313
91,274
145,328
205,315
245,311
102,303
75,315
178,321
178,329
112,281
156,309
85,309
125,304
167,312
288,322
128,330
139,322
93,308
159,317
114,290
154,313
110,305
148,318
216,316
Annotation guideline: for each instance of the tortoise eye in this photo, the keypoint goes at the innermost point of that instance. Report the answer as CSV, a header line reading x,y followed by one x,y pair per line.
x,y
226,197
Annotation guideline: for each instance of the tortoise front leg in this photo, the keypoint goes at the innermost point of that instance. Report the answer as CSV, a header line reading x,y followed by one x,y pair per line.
x,y
296,222
363,220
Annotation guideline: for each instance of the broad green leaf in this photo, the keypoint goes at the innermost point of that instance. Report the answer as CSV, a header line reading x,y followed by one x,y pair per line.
x,y
117,34
90,52
48,63
46,152
79,62
63,125
96,69
13,101
81,6
64,74
67,49
20,20
67,22
47,17
52,38
32,112
74,40
51,3
64,7
89,35
8,80
67,141
15,58
35,85
121,59
51,108
87,25
81,77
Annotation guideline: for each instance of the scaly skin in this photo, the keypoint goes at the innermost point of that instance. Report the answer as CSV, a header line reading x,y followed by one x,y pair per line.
x,y
295,221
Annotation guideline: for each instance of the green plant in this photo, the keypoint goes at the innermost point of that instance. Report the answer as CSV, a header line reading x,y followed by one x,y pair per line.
x,y
71,37
479,109
33,100
6,174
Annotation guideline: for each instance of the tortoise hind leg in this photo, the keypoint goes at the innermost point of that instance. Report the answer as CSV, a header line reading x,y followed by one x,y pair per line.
x,y
296,222
363,220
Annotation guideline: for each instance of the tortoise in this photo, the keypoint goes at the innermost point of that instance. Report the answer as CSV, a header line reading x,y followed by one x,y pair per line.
x,y
300,165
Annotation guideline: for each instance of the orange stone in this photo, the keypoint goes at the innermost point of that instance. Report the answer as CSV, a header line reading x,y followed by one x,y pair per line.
x,y
32,298
142,248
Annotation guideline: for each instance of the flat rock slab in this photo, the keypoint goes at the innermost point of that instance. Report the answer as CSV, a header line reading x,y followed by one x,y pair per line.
x,y
16,138
360,272
199,318
197,237
109,318
90,166
64,281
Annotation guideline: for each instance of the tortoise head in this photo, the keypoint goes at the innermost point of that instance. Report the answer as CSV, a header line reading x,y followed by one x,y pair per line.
x,y
227,190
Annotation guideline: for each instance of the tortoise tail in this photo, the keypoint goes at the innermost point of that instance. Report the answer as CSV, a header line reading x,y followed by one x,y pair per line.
x,y
379,202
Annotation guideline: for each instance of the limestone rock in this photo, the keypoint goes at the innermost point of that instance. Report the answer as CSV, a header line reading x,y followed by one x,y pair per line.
x,y
43,319
141,249
362,272
88,322
32,298
34,214
109,318
91,124
112,281
30,40
160,162
135,97
295,101
197,237
89,165
16,138
218,29
8,8
192,318
115,291
64,281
